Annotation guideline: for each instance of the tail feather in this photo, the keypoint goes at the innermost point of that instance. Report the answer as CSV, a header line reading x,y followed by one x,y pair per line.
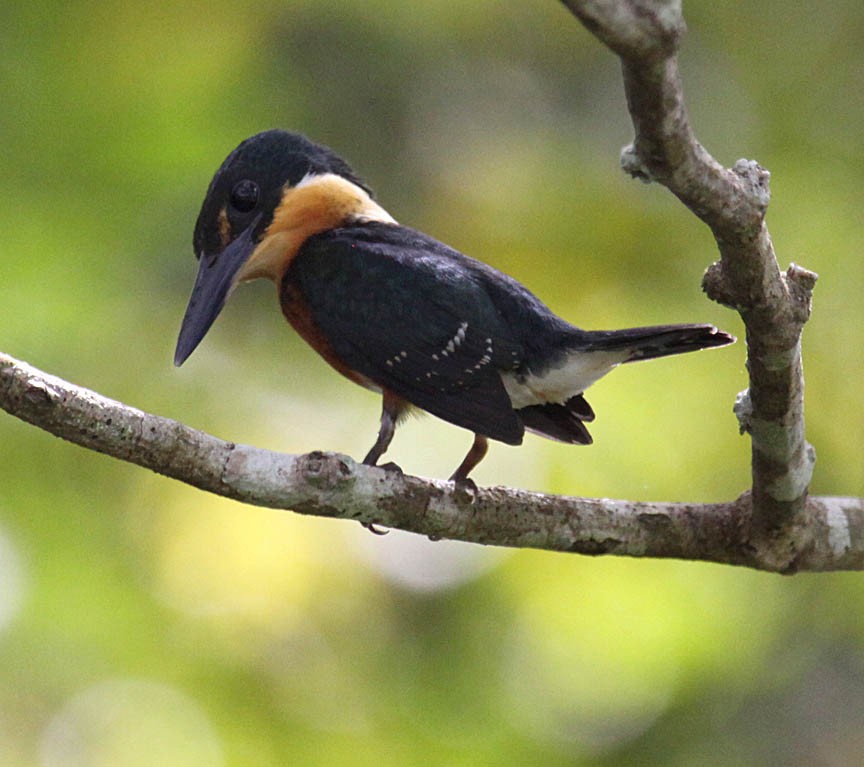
x,y
563,423
549,401
658,340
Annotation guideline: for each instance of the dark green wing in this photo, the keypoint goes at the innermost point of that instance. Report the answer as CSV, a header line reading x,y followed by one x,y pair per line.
x,y
407,312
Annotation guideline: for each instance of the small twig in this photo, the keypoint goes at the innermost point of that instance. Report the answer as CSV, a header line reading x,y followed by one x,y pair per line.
x,y
330,485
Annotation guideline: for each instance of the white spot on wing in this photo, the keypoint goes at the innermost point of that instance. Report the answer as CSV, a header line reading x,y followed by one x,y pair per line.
x,y
454,342
396,358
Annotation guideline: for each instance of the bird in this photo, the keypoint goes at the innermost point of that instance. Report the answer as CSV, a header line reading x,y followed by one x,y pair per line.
x,y
397,311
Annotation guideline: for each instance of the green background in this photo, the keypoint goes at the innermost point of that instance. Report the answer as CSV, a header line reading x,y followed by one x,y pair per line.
x,y
143,622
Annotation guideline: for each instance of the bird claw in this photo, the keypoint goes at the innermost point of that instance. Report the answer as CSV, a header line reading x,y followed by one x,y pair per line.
x,y
465,486
370,526
390,468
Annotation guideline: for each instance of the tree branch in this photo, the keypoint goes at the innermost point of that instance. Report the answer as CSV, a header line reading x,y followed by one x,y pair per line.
x,y
331,485
732,202
775,527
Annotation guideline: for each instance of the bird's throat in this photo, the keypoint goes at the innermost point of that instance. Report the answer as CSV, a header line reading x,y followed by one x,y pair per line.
x,y
316,204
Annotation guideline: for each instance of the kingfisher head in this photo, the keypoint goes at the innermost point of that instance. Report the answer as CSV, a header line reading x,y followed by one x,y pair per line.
x,y
275,190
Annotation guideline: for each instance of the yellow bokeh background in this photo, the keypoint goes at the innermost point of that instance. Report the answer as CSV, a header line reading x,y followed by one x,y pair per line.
x,y
142,621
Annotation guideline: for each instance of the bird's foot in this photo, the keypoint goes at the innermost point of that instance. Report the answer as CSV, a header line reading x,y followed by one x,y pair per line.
x,y
465,488
390,468
464,483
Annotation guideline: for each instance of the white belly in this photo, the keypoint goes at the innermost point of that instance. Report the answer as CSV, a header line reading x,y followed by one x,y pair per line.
x,y
558,384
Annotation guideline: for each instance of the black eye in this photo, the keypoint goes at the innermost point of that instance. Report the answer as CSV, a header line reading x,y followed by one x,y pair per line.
x,y
244,196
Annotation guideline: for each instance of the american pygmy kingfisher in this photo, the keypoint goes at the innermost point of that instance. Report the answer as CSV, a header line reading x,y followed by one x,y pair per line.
x,y
397,311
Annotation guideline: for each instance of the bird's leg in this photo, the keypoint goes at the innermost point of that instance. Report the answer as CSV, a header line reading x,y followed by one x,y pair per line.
x,y
475,455
391,409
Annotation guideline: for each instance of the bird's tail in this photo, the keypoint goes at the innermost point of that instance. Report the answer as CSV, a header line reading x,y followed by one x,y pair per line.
x,y
550,402
657,340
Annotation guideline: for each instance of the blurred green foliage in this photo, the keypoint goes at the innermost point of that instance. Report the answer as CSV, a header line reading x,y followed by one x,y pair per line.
x,y
143,622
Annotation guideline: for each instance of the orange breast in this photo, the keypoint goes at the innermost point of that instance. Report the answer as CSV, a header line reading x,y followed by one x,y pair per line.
x,y
316,204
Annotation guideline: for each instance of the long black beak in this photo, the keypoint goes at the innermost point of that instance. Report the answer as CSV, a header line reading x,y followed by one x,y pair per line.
x,y
216,278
